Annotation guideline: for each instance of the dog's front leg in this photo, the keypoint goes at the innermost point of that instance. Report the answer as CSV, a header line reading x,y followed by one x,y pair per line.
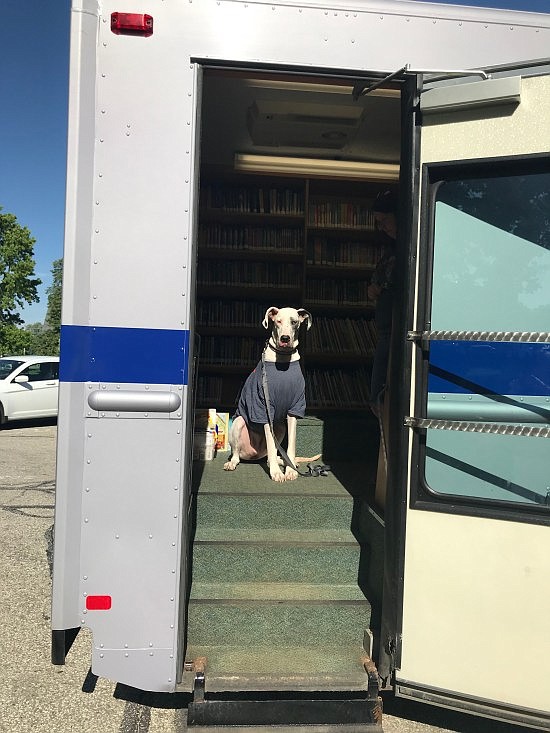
x,y
236,443
290,473
272,462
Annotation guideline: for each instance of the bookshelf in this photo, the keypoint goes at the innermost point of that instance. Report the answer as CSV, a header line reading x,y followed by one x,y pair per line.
x,y
265,241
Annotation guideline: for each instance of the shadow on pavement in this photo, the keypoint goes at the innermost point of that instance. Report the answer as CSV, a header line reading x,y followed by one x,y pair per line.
x,y
39,422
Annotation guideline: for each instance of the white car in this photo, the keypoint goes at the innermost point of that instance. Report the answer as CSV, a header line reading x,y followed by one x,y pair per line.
x,y
29,387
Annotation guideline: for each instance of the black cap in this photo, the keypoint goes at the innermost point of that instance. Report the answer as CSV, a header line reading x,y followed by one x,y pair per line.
x,y
385,203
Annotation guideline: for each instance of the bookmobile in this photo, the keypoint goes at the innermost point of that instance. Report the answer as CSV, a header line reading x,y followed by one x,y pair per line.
x,y
223,157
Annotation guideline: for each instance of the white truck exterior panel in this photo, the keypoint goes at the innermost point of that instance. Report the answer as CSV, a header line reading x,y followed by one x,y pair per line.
x,y
127,321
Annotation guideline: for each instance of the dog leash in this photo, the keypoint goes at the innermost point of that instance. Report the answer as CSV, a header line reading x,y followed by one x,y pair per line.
x,y
379,402
312,470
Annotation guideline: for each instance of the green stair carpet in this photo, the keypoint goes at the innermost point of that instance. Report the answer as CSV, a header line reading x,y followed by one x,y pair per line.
x,y
275,601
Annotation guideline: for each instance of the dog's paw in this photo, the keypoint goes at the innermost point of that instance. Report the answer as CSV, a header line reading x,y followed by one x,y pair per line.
x,y
229,466
290,474
278,476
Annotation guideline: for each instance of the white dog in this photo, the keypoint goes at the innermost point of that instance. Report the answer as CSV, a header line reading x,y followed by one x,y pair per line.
x,y
250,436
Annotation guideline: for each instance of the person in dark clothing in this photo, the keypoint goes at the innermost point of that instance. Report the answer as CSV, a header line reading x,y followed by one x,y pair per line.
x,y
381,291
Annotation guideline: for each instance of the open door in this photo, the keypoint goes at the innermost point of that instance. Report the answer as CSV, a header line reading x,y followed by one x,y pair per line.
x,y
476,597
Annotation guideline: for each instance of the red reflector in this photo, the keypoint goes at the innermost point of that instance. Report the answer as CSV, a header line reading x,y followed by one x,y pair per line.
x,y
98,603
132,24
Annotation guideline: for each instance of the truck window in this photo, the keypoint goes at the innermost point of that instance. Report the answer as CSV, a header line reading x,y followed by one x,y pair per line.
x,y
491,273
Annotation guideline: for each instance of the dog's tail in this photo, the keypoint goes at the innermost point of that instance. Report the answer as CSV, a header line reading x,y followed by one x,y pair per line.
x,y
300,459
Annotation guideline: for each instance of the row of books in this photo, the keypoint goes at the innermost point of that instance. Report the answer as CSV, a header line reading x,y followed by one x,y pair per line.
x,y
337,292
323,251
281,239
229,350
230,313
253,199
341,335
333,336
340,214
337,388
209,389
249,274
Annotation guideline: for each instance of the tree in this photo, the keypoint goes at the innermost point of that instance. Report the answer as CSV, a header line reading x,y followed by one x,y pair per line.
x,y
14,340
43,338
53,313
18,284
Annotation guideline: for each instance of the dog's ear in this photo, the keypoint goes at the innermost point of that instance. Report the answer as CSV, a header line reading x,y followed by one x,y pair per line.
x,y
305,316
270,313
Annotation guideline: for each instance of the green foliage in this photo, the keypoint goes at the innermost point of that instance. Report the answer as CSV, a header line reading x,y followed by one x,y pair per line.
x,y
14,341
17,282
53,314
44,337
19,286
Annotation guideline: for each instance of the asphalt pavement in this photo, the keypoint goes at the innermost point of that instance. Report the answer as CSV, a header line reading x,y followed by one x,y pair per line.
x,y
36,696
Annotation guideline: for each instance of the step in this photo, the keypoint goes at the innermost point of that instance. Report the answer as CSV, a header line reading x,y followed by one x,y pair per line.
x,y
271,562
271,536
274,511
277,623
346,478
276,592
252,477
237,668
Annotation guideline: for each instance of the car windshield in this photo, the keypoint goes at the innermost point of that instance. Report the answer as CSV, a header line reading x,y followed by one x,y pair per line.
x,y
7,366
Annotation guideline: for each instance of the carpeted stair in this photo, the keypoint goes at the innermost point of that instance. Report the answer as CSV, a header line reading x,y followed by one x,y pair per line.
x,y
275,604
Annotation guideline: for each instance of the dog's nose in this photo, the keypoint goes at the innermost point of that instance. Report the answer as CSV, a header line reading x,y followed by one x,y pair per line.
x,y
285,339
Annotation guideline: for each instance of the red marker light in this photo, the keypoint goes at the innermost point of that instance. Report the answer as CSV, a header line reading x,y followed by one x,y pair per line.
x,y
132,24
98,603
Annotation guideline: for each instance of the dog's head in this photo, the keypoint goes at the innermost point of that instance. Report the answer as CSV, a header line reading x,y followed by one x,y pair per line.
x,y
285,324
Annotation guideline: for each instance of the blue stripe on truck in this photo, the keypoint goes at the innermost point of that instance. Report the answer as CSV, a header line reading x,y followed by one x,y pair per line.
x,y
507,368
125,355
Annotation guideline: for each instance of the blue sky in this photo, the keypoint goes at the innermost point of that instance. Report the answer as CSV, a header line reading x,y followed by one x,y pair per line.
x,y
34,60
34,40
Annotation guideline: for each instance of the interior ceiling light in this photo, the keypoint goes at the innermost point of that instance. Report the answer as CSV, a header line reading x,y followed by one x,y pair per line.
x,y
315,167
299,86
